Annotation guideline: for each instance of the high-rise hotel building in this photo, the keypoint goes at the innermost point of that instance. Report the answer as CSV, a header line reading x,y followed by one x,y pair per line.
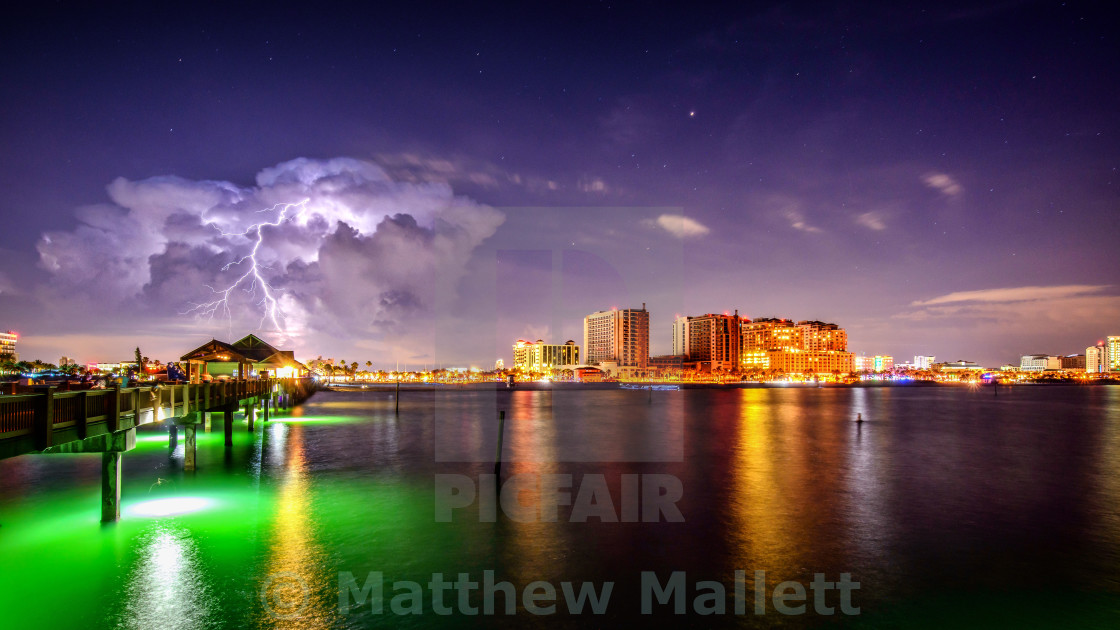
x,y
1094,359
710,339
1112,353
617,335
8,344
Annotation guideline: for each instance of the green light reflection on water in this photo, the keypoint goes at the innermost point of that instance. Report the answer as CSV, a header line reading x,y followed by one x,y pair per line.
x,y
194,550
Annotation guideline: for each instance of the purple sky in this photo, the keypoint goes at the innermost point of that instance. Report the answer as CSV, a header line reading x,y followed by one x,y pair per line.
x,y
938,180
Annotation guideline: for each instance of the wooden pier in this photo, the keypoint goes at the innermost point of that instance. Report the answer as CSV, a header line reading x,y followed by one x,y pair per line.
x,y
105,420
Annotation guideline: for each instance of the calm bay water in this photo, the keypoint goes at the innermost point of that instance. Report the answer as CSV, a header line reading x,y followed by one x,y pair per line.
x,y
951,507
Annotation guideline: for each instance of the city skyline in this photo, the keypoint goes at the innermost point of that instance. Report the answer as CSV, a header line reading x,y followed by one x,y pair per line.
x,y
426,187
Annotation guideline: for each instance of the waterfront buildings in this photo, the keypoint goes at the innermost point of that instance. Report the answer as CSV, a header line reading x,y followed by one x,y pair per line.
x,y
1112,353
811,362
539,356
822,337
667,365
119,367
8,344
1073,362
1039,362
713,341
767,333
620,336
923,362
878,363
960,365
805,347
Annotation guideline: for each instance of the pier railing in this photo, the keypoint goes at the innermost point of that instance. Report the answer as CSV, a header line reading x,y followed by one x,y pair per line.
x,y
49,416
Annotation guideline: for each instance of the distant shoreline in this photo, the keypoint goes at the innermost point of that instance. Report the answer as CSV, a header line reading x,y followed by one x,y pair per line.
x,y
554,386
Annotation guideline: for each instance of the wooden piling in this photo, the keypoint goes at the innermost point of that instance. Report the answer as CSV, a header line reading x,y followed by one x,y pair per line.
x,y
230,409
189,447
110,486
172,436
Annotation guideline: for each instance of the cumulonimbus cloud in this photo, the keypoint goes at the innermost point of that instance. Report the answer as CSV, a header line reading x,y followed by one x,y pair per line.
x,y
1014,294
344,248
681,226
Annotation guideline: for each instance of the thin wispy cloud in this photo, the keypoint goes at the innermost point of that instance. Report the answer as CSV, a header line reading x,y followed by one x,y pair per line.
x,y
943,183
1015,294
418,168
797,221
871,220
680,226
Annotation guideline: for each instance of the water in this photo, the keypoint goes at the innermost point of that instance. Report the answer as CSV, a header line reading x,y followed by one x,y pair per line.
x,y
950,507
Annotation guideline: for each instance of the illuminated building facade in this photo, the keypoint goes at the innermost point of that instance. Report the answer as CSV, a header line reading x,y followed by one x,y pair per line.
x,y
878,363
821,337
617,335
811,362
539,356
1039,362
754,360
710,339
1075,362
1112,353
8,344
767,333
923,362
807,347
1094,359
667,366
960,365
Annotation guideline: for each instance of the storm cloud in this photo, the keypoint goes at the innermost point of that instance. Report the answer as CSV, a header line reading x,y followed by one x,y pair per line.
x,y
315,246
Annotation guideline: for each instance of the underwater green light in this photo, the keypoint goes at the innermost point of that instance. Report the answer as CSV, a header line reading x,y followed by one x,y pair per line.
x,y
169,507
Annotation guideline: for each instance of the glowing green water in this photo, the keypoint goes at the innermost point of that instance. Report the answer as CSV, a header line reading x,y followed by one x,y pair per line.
x,y
201,550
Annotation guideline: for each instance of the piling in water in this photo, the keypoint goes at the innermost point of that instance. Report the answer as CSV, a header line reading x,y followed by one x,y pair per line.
x,y
498,453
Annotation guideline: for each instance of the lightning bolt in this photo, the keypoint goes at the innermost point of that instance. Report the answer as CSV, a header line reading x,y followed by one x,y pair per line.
x,y
252,279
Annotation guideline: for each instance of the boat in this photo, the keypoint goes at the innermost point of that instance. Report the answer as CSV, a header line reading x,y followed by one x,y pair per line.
x,y
659,387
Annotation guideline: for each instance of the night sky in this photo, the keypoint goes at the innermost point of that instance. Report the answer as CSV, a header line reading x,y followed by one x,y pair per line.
x,y
937,179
